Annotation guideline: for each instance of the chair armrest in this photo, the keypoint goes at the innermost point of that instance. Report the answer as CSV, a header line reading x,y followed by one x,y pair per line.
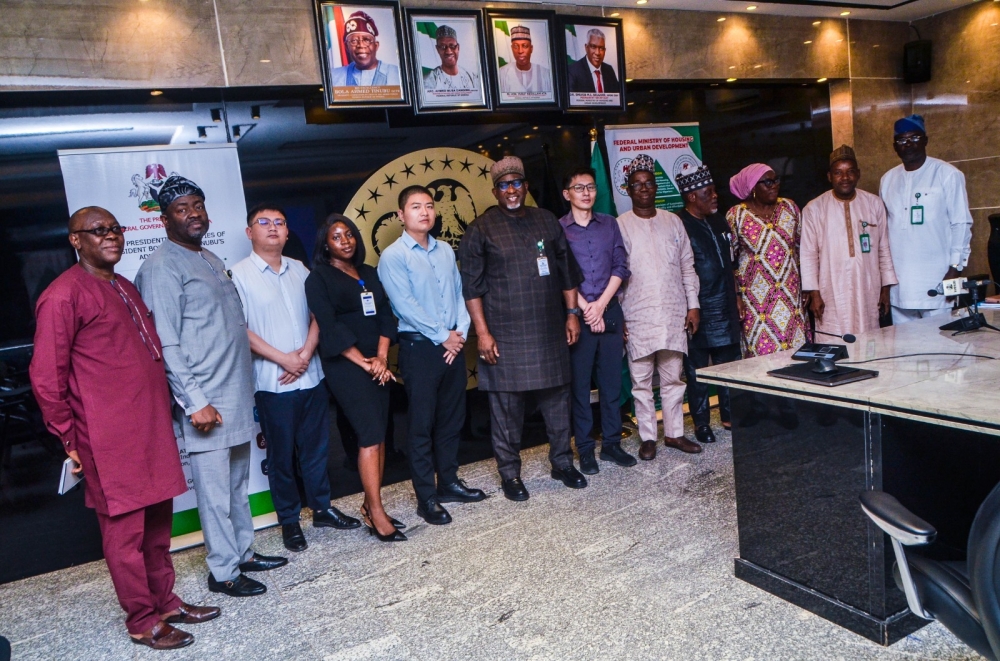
x,y
898,522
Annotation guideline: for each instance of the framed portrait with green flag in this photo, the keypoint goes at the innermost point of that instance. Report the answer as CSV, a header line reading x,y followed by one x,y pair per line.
x,y
448,59
522,59
592,59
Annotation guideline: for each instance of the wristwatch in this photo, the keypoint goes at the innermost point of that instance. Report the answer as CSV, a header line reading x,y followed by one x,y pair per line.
x,y
576,311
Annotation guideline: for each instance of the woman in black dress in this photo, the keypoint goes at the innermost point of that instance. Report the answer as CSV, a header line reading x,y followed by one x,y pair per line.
x,y
356,327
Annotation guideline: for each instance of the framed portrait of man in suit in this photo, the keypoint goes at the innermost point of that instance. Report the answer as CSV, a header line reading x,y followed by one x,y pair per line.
x,y
361,48
593,60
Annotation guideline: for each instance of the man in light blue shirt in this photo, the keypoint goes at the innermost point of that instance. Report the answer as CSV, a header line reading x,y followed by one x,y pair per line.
x,y
421,278
291,400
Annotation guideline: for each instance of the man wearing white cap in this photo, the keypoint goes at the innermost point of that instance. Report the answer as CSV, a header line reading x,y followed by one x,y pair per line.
x,y
521,76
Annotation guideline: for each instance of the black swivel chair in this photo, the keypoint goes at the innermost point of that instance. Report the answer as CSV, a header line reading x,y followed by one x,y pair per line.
x,y
963,596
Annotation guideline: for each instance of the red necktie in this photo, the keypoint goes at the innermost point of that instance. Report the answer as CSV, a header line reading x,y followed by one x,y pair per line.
x,y
600,88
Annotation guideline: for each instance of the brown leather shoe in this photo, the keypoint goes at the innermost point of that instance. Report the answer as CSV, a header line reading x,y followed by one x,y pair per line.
x,y
188,614
647,451
164,637
682,444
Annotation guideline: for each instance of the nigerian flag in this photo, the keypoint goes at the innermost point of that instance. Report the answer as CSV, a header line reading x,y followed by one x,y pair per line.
x,y
605,202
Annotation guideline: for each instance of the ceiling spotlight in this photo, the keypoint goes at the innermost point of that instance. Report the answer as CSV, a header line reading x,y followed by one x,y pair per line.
x,y
629,80
216,115
631,103
821,80
506,138
614,14
202,132
534,128
730,80
559,126
641,2
236,131
265,61
751,7
320,89
156,93
845,13
255,112
816,22
480,146
721,19
808,41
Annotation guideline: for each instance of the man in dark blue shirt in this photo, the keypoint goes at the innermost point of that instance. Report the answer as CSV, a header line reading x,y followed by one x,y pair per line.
x,y
597,244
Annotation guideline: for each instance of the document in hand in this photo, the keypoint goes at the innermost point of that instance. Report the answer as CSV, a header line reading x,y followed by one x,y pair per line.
x,y
67,479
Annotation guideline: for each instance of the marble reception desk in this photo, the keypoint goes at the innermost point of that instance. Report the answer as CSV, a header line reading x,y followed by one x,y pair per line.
x,y
926,430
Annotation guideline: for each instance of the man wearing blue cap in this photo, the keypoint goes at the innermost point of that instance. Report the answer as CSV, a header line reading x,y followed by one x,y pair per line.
x,y
930,226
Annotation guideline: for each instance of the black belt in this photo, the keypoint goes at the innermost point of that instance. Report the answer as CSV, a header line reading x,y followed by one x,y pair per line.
x,y
415,337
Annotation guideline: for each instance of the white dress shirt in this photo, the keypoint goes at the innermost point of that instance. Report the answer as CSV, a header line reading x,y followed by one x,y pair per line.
x,y
922,254
275,308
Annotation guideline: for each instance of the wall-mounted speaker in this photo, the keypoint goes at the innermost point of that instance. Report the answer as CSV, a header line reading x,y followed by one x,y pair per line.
x,y
917,61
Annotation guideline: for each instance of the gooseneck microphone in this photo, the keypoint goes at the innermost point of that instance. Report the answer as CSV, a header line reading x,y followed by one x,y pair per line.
x,y
847,337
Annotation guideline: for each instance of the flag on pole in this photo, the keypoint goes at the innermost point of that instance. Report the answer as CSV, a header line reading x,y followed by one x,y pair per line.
x,y
605,202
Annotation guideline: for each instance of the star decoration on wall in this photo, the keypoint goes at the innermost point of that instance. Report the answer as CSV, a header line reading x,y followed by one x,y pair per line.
x,y
447,162
428,164
407,170
483,172
390,181
362,212
465,165
374,195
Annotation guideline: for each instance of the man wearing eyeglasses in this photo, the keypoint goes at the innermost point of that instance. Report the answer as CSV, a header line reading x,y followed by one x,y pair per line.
x,y
930,226
519,281
597,245
661,308
291,402
98,376
361,40
199,317
449,76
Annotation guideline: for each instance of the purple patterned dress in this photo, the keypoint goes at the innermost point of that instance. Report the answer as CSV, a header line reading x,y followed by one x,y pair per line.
x,y
766,252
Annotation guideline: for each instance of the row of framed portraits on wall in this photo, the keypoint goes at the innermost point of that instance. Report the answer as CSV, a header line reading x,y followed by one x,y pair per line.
x,y
445,61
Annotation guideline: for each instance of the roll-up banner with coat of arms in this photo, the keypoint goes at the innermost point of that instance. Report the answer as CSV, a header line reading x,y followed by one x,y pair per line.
x,y
671,146
125,181
460,182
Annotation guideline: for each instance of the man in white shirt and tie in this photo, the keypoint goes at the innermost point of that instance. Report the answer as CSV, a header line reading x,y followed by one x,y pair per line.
x,y
930,226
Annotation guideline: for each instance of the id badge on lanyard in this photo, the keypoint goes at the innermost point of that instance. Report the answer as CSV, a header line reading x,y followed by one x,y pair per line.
x,y
543,261
917,213
367,300
866,241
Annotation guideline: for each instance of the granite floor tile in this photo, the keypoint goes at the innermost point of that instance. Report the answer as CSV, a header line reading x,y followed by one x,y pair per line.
x,y
639,565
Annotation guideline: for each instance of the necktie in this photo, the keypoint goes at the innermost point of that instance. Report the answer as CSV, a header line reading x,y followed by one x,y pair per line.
x,y
600,88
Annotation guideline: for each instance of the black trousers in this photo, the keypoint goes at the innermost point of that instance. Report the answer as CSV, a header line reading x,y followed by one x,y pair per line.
x,y
603,351
697,393
507,426
436,391
295,426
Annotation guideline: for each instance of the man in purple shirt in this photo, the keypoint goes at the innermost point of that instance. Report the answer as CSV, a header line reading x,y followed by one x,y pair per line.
x,y
597,244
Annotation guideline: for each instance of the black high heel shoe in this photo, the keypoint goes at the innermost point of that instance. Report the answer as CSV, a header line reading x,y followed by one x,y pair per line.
x,y
394,536
367,520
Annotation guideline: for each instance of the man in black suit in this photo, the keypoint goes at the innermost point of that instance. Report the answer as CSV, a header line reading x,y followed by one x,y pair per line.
x,y
590,74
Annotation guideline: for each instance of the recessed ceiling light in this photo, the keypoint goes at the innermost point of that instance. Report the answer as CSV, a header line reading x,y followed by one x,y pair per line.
x,y
480,146
751,7
730,80
506,138
641,2
845,13
821,80
156,93
559,126
628,80
631,103
721,19
816,22
320,89
733,67
534,128
714,85
614,14
264,61
808,41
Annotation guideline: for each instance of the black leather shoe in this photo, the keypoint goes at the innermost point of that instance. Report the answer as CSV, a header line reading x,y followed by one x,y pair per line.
x,y
569,476
514,489
613,452
432,512
263,563
588,464
334,518
241,586
704,434
459,492
293,537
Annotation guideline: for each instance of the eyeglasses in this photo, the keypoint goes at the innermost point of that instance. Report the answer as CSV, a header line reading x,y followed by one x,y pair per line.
x,y
266,222
453,47
770,183
579,188
103,231
639,185
516,183
360,41
910,140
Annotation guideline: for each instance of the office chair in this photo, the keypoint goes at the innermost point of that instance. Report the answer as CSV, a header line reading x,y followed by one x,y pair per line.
x,y
961,595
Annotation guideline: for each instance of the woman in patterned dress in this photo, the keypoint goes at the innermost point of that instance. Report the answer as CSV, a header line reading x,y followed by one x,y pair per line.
x,y
766,230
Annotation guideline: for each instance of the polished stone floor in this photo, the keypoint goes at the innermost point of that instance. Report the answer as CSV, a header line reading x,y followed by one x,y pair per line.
x,y
639,565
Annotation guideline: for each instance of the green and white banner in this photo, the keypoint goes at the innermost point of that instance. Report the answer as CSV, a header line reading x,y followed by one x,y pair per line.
x,y
671,146
125,181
